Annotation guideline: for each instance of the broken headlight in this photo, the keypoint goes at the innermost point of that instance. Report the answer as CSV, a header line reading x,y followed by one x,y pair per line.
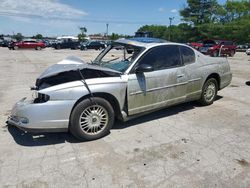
x,y
41,98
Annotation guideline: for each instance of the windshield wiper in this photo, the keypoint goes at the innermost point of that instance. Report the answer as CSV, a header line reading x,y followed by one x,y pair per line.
x,y
94,63
111,60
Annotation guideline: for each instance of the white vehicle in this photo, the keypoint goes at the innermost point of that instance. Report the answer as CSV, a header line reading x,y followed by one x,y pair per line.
x,y
248,51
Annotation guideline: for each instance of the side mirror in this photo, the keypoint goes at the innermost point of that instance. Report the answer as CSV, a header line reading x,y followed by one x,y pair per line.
x,y
144,68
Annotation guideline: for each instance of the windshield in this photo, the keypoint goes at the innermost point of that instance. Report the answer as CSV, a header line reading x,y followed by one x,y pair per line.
x,y
118,56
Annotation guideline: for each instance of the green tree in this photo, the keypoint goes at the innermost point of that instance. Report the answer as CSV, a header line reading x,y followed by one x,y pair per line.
x,y
114,36
38,36
199,11
159,31
18,36
230,21
82,34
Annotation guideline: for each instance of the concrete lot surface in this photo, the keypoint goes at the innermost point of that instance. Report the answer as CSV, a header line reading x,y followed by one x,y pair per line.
x,y
183,146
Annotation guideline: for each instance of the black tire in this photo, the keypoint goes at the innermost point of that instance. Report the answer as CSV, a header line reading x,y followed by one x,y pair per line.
x,y
83,48
15,48
211,86
232,53
74,48
38,48
215,54
85,112
58,47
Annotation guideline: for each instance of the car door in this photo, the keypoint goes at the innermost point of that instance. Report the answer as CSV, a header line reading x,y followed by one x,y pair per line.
x,y
32,44
165,85
90,45
95,45
24,44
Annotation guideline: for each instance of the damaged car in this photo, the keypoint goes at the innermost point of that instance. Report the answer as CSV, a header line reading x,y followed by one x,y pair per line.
x,y
146,75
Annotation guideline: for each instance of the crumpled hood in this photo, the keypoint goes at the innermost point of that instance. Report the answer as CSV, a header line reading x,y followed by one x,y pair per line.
x,y
71,63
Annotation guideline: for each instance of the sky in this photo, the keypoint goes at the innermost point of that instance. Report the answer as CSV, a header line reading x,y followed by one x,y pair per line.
x,y
64,17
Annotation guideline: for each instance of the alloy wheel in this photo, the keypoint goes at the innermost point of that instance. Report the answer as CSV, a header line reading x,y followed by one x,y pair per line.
x,y
210,92
93,119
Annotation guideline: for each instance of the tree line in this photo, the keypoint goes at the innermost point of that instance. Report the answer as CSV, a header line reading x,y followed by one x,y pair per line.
x,y
203,19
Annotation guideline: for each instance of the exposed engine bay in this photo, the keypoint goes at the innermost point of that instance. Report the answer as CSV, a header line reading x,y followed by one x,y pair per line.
x,y
68,71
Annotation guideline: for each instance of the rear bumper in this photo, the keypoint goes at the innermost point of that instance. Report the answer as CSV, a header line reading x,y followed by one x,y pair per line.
x,y
226,80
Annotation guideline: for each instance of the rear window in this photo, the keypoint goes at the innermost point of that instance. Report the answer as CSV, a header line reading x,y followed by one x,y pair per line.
x,y
209,43
187,55
228,43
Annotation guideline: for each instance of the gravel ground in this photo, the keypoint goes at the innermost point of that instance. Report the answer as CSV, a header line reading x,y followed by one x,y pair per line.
x,y
182,146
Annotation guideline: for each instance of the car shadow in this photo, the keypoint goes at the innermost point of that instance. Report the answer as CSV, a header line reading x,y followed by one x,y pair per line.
x,y
40,139
248,83
165,112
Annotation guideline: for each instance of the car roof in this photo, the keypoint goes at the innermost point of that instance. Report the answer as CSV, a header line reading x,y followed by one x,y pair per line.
x,y
141,41
147,42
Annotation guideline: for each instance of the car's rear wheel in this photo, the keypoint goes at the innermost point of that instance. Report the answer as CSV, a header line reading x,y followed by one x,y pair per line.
x,y
209,92
232,53
215,53
91,119
15,47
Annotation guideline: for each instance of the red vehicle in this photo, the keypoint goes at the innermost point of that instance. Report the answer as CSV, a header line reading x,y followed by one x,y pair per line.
x,y
26,45
218,48
196,45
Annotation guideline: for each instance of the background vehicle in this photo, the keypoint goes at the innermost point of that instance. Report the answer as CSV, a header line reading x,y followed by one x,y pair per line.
x,y
97,45
196,45
146,75
248,51
65,43
28,44
4,43
218,47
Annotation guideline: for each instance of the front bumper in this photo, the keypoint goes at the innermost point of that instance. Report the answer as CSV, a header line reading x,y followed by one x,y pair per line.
x,y
51,116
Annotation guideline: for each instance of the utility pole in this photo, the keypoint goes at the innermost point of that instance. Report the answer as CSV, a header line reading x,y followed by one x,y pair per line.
x,y
170,23
107,29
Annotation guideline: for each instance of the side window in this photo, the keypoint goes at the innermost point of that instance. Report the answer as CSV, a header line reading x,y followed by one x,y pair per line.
x,y
229,43
162,57
187,54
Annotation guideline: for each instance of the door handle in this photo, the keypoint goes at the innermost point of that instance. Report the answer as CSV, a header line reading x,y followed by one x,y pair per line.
x,y
180,75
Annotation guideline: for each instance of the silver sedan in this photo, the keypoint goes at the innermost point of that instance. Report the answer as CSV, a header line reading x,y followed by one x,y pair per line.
x,y
129,78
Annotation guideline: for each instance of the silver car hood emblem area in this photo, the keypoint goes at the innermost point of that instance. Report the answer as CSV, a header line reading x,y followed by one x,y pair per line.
x,y
72,63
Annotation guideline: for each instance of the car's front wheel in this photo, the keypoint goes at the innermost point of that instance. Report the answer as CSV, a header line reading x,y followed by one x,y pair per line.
x,y
91,119
15,47
209,92
38,48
